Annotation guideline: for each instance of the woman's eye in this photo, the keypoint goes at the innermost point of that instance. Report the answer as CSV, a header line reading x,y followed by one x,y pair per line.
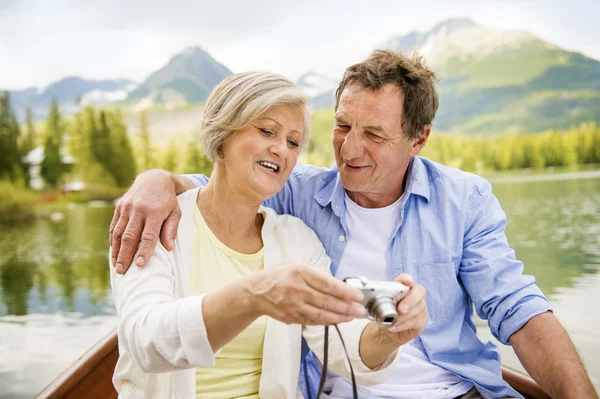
x,y
266,132
292,143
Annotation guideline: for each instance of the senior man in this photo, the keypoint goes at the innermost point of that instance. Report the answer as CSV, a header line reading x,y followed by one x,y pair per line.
x,y
383,211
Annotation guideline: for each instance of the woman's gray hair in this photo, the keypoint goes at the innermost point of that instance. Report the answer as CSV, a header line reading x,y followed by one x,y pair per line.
x,y
240,99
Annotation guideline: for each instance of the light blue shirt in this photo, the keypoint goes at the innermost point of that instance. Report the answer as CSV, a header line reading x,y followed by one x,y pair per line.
x,y
450,237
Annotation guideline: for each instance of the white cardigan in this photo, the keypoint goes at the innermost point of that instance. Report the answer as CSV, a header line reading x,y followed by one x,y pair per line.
x,y
162,337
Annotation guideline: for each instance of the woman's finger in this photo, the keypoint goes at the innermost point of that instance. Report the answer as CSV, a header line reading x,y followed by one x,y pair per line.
x,y
335,305
325,283
313,315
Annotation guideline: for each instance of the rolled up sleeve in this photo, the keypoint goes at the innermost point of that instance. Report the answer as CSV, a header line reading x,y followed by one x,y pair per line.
x,y
490,272
198,180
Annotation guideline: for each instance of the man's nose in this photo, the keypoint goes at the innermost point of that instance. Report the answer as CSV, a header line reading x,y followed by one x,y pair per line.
x,y
352,146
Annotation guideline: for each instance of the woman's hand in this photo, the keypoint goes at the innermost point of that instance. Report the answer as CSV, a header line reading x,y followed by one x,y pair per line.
x,y
300,294
291,293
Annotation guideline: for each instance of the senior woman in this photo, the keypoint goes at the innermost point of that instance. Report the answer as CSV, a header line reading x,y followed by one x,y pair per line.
x,y
222,315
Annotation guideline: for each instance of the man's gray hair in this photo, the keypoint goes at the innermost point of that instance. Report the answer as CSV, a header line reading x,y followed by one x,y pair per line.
x,y
242,98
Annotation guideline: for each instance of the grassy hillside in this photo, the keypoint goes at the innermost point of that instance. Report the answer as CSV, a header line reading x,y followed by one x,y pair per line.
x,y
495,81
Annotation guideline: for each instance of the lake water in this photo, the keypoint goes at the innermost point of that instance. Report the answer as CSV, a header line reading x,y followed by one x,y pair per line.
x,y
55,298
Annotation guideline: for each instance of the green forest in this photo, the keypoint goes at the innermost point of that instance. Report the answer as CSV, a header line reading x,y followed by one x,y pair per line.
x,y
106,157
579,145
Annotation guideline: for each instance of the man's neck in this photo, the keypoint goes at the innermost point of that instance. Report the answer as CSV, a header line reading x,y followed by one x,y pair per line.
x,y
378,200
372,200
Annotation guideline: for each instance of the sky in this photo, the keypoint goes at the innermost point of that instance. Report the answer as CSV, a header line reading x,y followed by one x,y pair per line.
x,y
43,41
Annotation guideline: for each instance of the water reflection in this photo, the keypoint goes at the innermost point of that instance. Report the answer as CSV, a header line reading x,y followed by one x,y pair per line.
x,y
16,278
554,228
69,256
55,299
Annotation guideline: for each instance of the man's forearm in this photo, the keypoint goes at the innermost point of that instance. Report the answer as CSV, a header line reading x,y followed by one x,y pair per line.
x,y
375,346
549,356
182,183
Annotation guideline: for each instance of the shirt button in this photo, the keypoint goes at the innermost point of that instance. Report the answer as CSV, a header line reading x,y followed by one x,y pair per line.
x,y
341,238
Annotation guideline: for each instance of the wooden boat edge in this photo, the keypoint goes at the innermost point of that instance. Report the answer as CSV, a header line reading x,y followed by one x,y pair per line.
x,y
92,373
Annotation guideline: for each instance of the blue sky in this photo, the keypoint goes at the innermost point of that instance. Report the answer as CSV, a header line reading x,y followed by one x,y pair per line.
x,y
43,41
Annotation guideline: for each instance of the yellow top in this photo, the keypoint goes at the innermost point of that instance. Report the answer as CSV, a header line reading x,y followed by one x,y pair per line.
x,y
238,367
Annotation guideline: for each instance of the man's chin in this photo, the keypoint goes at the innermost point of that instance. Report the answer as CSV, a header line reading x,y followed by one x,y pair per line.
x,y
351,185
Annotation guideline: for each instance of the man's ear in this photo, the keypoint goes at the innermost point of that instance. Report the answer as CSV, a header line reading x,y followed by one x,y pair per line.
x,y
419,142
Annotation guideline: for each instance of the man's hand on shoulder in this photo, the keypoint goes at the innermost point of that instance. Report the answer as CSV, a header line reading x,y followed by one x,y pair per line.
x,y
147,211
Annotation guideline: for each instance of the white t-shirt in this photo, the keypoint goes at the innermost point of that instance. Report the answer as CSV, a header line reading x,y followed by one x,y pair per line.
x,y
370,231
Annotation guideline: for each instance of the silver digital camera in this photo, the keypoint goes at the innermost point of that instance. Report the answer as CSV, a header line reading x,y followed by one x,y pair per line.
x,y
380,298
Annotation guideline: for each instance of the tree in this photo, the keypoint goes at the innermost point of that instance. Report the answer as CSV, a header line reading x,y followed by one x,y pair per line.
x,y
170,159
100,142
52,167
146,158
10,162
122,165
196,161
29,140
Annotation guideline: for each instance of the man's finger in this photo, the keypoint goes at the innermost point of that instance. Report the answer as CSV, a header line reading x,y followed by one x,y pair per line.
x,y
148,243
415,295
414,312
117,234
323,282
129,244
405,279
113,223
169,229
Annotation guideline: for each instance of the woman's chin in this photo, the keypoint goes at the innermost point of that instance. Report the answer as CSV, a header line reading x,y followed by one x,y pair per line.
x,y
265,191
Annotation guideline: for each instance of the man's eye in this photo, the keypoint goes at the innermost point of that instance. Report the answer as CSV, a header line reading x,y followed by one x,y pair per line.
x,y
373,136
267,133
292,143
343,127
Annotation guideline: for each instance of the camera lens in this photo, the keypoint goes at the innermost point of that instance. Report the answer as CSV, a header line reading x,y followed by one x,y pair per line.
x,y
383,310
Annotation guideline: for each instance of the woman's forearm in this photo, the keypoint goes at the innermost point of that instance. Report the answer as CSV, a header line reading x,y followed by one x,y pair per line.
x,y
227,313
376,346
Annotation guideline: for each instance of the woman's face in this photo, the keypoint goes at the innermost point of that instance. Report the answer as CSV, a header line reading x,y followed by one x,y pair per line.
x,y
259,158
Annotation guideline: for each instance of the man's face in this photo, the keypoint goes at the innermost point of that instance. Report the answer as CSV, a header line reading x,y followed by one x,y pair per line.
x,y
371,150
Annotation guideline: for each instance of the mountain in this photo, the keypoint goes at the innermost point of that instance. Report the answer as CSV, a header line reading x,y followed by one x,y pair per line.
x,y
71,93
495,81
320,89
188,77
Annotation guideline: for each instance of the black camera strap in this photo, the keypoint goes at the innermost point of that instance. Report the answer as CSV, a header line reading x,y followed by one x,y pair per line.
x,y
325,355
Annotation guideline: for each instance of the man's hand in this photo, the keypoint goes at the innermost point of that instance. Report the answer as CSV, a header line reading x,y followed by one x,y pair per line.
x,y
412,313
377,342
148,210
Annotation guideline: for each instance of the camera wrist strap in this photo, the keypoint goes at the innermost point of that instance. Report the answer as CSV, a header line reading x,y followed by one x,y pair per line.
x,y
325,355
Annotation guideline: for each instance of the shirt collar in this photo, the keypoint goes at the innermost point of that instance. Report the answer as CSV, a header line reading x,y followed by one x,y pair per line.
x,y
333,192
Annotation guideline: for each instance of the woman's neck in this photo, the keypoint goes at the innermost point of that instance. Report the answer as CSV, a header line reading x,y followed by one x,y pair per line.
x,y
231,216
